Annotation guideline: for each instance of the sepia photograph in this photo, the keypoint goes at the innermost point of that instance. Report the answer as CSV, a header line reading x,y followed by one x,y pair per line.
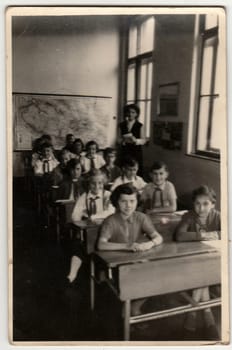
x,y
117,175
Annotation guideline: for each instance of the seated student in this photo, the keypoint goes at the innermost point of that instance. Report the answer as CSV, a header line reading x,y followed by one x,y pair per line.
x,y
92,159
93,204
69,142
124,230
129,175
60,171
72,185
201,224
78,149
111,170
159,195
37,148
47,163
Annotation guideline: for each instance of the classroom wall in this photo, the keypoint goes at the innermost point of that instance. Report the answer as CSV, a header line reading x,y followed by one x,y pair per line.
x,y
173,61
80,56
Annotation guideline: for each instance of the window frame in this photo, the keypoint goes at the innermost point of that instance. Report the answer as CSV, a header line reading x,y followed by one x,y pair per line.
x,y
137,61
206,34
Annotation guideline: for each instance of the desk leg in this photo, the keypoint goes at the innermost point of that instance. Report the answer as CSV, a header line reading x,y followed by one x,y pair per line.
x,y
92,284
127,306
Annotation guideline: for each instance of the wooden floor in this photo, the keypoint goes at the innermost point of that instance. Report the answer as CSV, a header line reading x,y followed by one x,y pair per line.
x,y
45,308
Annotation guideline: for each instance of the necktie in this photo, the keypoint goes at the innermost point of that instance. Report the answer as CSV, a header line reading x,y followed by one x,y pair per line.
x,y
157,198
92,164
76,192
92,206
45,167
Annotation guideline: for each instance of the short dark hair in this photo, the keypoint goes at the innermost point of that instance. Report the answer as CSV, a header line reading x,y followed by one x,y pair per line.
x,y
79,141
129,162
91,143
204,190
131,106
122,189
109,150
68,136
46,145
72,163
158,165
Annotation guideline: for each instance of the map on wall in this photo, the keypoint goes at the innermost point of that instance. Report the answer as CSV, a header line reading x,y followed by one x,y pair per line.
x,y
86,117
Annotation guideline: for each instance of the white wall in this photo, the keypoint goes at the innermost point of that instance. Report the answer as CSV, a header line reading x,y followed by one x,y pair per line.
x,y
74,55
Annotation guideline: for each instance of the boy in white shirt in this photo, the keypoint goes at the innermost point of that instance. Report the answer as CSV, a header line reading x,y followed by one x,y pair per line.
x,y
92,160
129,175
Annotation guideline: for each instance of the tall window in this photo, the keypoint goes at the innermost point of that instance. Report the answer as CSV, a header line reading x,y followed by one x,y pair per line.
x,y
208,130
140,67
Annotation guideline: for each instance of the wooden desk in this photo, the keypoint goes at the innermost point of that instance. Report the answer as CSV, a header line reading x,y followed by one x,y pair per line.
x,y
89,233
168,268
67,206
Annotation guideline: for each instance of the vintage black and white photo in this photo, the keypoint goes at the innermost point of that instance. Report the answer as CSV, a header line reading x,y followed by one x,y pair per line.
x,y
117,170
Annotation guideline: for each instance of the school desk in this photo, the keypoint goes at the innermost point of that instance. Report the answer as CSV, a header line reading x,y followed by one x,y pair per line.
x,y
88,233
65,205
168,268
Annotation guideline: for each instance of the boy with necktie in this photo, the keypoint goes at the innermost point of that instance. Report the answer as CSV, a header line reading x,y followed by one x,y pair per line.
x,y
159,195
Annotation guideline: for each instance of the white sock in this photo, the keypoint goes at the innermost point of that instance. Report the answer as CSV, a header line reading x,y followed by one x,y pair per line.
x,y
74,268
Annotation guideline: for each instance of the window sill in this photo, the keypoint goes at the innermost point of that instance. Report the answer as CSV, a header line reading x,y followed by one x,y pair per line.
x,y
195,155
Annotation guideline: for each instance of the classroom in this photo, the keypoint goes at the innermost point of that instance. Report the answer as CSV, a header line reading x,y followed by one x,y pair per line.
x,y
118,134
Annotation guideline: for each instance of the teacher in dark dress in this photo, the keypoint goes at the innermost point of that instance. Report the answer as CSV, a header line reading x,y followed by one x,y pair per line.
x,y
131,131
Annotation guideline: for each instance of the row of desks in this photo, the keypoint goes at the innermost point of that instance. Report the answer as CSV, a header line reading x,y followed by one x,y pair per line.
x,y
168,268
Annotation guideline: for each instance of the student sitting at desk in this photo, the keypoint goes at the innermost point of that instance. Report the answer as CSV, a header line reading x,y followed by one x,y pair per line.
x,y
37,148
72,185
159,196
111,170
93,204
124,229
201,224
60,171
92,159
129,175
78,149
69,142
47,163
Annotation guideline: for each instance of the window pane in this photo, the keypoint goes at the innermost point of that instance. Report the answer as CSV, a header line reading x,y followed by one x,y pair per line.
x,y
203,124
149,80
131,82
133,41
148,119
142,111
145,88
211,20
146,38
216,131
143,82
145,116
207,65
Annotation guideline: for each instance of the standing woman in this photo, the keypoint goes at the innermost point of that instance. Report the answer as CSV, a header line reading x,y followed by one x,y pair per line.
x,y
132,135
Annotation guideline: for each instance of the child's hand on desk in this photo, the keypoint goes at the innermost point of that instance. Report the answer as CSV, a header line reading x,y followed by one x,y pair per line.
x,y
141,247
209,236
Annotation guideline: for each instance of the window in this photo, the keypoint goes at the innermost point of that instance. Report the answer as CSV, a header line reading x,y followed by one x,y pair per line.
x,y
140,67
208,129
